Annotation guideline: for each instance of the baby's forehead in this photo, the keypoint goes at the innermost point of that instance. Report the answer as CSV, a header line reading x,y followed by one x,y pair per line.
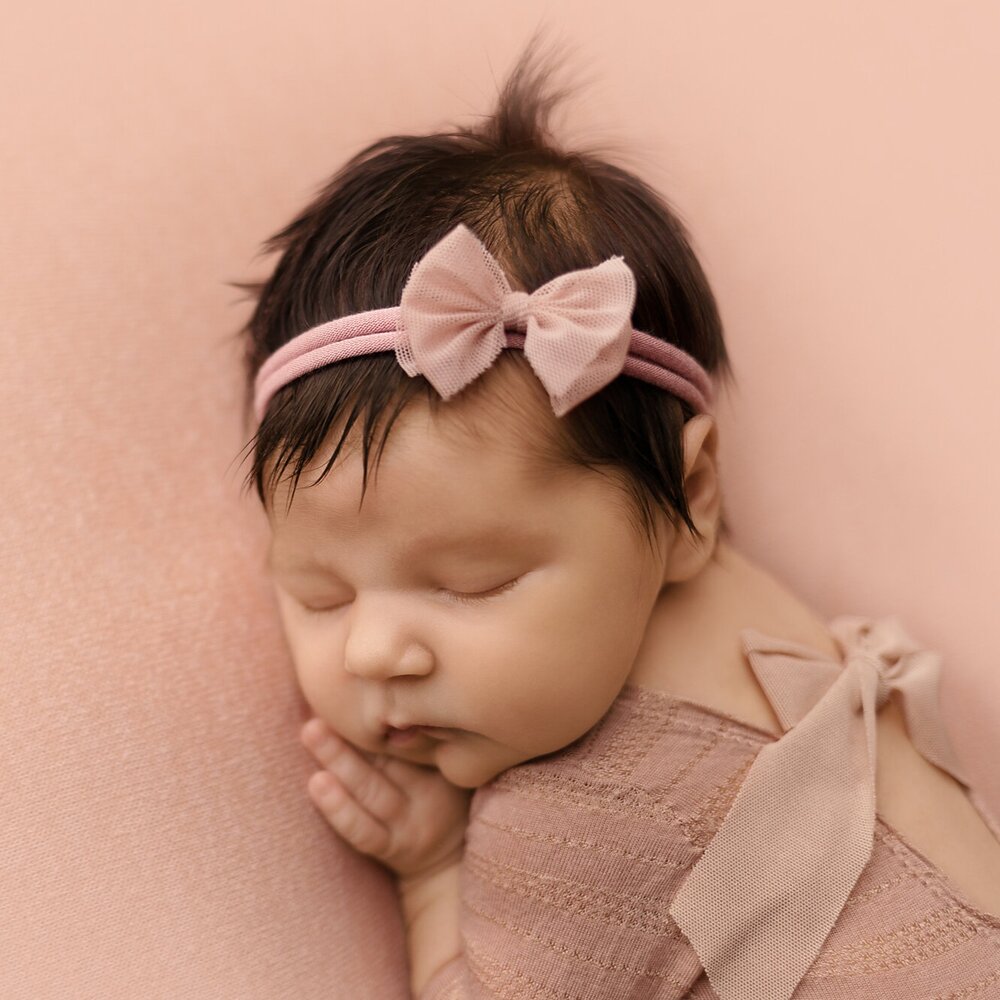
x,y
506,406
501,424
440,485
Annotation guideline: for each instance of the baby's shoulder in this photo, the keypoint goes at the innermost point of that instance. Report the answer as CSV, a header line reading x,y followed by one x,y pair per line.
x,y
933,813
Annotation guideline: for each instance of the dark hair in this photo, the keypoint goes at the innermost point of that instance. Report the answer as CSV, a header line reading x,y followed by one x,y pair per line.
x,y
541,211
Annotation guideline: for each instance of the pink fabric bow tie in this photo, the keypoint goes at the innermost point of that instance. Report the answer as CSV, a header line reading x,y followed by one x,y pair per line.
x,y
457,303
766,892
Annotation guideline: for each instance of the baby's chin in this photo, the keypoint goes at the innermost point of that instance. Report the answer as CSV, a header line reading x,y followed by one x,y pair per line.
x,y
473,768
463,767
469,761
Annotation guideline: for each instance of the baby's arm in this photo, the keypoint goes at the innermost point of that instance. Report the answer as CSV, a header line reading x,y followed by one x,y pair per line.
x,y
413,821
430,911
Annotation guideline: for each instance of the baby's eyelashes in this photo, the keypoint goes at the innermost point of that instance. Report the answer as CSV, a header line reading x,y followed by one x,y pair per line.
x,y
483,595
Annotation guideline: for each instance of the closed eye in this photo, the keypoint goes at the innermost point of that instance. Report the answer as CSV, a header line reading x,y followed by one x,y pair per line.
x,y
458,595
318,611
484,595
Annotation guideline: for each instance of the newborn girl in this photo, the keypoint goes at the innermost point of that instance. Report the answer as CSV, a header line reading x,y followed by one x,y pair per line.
x,y
605,754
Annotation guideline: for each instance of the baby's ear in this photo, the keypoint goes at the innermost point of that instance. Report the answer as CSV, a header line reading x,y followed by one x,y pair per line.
x,y
703,491
702,485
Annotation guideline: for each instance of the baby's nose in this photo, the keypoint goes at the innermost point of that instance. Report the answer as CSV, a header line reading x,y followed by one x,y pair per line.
x,y
380,646
376,664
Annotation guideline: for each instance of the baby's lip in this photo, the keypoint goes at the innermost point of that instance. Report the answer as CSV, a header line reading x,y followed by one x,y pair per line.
x,y
400,722
436,732
414,737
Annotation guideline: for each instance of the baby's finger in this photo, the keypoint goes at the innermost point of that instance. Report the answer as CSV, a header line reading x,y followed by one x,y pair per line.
x,y
367,783
354,823
320,740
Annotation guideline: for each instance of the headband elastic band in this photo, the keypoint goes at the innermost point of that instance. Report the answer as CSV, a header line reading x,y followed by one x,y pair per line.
x,y
452,322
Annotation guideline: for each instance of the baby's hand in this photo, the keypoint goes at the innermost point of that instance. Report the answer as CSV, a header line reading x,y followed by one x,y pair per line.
x,y
405,815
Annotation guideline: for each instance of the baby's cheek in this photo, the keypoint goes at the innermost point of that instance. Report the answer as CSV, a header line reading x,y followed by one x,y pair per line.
x,y
321,691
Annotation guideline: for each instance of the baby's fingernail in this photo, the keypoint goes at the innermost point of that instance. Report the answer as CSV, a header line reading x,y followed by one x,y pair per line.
x,y
313,731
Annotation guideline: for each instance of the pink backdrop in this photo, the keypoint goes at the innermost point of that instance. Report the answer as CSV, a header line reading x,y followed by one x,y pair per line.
x,y
836,168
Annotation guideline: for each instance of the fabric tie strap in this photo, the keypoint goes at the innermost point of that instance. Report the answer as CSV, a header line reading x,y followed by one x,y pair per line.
x,y
805,813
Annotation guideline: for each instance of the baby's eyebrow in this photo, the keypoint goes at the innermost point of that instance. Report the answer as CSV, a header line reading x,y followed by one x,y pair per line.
x,y
492,535
508,537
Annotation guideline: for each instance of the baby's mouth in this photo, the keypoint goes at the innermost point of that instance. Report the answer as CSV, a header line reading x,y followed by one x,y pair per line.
x,y
412,735
404,737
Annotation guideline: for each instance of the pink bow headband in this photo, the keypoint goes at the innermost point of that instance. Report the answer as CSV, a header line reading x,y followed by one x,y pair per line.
x,y
451,324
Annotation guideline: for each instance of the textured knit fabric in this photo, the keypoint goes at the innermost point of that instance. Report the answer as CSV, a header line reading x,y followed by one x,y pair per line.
x,y
573,860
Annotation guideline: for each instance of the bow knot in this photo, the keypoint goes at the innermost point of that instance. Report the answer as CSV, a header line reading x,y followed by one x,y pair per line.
x,y
884,653
457,303
514,309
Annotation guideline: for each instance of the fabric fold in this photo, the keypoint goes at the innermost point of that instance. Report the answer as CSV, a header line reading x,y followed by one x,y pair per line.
x,y
805,813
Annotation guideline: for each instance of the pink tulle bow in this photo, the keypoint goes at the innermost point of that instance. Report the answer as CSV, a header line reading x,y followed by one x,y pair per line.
x,y
458,303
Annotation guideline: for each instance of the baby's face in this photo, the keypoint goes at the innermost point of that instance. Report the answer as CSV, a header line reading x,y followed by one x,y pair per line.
x,y
467,595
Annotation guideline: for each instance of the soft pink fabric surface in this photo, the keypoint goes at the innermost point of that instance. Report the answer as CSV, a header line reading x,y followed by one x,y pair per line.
x,y
156,840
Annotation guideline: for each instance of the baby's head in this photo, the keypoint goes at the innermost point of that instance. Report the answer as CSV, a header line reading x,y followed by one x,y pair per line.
x,y
478,563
